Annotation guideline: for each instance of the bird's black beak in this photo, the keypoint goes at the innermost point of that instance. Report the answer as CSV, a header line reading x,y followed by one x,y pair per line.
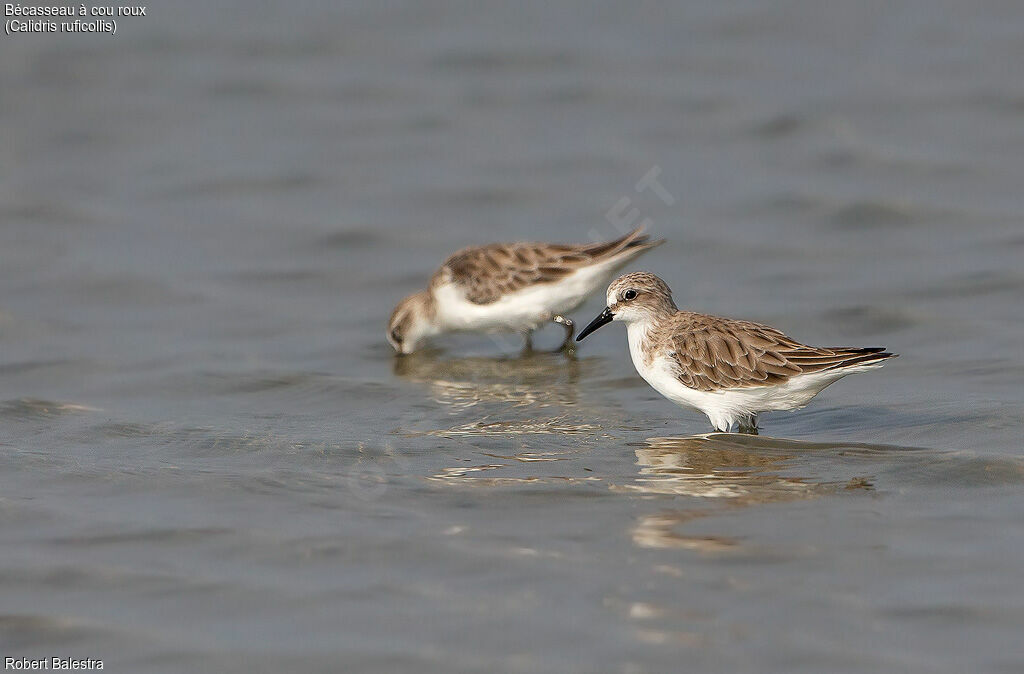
x,y
605,317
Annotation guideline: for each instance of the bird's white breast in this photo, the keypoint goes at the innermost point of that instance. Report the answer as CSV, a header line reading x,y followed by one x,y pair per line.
x,y
658,371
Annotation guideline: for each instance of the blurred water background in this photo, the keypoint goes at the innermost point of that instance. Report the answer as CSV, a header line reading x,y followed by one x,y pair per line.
x,y
211,461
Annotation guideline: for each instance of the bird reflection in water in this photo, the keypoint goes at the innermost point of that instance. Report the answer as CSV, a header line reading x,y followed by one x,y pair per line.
x,y
532,394
535,380
735,471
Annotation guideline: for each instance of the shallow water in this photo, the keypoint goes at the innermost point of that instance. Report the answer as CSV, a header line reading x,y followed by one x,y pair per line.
x,y
211,461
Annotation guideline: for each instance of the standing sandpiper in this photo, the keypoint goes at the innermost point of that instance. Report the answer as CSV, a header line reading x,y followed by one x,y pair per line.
x,y
510,287
730,370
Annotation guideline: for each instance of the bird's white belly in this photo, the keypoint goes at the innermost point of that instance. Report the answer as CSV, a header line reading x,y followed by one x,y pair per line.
x,y
523,309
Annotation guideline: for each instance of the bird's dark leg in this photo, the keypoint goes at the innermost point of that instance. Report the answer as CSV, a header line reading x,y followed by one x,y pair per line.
x,y
748,425
570,330
527,342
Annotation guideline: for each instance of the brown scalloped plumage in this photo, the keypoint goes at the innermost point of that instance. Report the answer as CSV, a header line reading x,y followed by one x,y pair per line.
x,y
714,353
486,273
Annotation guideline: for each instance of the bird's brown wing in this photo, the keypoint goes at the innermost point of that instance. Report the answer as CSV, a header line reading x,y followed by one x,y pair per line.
x,y
486,273
711,354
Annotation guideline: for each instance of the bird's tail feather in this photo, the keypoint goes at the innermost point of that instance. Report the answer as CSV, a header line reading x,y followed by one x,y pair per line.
x,y
635,242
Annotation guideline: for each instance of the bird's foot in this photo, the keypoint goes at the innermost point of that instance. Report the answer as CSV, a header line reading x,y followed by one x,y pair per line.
x,y
568,346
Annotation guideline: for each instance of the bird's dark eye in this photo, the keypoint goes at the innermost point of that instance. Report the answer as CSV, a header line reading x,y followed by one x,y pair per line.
x,y
629,294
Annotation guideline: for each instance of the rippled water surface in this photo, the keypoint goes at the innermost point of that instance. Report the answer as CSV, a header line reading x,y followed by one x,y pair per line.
x,y
211,461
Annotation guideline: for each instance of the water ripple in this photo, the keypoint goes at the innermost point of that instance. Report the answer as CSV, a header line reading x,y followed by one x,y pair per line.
x,y
29,409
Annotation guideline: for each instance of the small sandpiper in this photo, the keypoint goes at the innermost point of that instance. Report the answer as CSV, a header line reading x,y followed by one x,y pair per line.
x,y
511,287
728,369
